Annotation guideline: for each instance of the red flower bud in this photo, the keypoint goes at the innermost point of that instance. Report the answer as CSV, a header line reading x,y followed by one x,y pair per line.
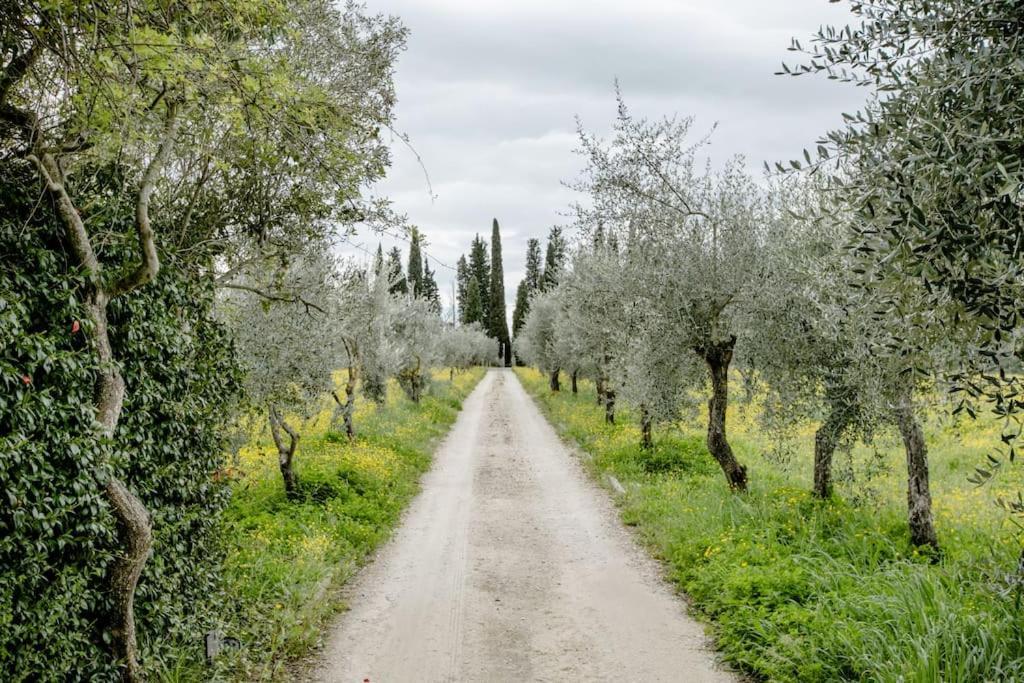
x,y
75,327
26,380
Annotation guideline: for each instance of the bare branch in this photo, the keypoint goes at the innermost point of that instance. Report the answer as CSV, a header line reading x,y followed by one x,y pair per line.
x,y
16,70
269,296
150,261
79,237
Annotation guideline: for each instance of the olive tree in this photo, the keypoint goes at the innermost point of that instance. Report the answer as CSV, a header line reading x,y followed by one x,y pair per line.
x,y
807,318
464,346
651,375
538,342
702,233
289,350
593,293
362,308
416,330
932,167
857,356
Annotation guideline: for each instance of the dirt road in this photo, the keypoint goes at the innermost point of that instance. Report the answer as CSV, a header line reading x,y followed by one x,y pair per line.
x,y
512,566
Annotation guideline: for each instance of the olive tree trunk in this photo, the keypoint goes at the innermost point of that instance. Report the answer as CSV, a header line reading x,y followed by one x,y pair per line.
x,y
599,386
718,356
646,428
285,451
826,440
134,526
575,377
412,382
919,497
344,410
553,380
609,393
350,402
609,406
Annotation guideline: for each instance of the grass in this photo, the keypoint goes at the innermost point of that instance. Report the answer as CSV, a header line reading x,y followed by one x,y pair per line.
x,y
797,589
286,559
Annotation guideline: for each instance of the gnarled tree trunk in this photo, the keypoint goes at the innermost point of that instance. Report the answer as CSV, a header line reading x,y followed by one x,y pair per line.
x,y
609,406
135,538
350,402
553,380
646,428
412,381
344,410
575,386
826,440
919,497
599,386
285,451
718,356
134,526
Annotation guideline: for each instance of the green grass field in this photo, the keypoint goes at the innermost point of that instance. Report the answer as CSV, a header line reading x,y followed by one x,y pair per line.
x,y
286,559
796,589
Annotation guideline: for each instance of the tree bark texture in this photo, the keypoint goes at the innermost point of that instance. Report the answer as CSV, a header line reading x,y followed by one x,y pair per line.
x,y
599,386
134,526
919,497
285,451
646,428
575,377
350,402
412,382
826,440
609,406
718,356
553,380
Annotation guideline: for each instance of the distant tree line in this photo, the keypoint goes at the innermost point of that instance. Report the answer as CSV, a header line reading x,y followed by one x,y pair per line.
x,y
480,291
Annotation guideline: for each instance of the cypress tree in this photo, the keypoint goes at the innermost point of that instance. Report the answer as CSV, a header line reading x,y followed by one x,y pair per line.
x,y
554,258
534,268
522,306
599,240
461,286
415,272
498,322
378,261
430,290
530,283
480,270
474,303
395,275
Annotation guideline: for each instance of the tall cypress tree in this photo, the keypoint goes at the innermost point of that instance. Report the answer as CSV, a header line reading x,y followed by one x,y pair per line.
x,y
534,268
554,258
461,286
480,270
474,303
430,290
498,323
395,275
522,307
530,284
415,271
378,260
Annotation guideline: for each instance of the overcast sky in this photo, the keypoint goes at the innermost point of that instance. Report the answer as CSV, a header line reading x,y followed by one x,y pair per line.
x,y
488,92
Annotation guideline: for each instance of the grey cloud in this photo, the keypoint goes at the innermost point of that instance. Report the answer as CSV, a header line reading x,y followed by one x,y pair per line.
x,y
488,92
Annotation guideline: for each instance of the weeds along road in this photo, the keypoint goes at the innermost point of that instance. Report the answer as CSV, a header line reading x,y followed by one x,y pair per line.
x,y
511,565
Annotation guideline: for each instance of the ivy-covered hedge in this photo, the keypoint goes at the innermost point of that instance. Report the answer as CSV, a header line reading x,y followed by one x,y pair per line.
x,y
56,532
